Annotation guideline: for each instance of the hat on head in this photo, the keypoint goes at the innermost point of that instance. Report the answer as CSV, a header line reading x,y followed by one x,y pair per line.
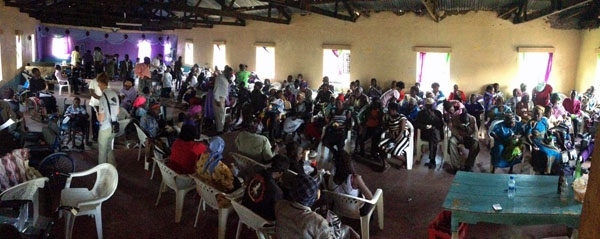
x,y
304,190
340,97
304,84
139,101
155,106
279,163
429,101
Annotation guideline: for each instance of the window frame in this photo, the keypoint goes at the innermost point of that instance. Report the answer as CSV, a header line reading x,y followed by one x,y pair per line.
x,y
188,53
219,60
340,82
445,84
261,63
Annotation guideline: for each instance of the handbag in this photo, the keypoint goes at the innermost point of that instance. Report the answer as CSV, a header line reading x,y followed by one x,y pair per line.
x,y
115,124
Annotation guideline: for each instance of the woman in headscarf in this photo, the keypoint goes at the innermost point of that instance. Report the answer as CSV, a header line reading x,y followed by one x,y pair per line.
x,y
506,150
537,133
212,171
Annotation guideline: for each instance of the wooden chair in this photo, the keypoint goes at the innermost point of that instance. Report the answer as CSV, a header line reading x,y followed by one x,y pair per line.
x,y
349,206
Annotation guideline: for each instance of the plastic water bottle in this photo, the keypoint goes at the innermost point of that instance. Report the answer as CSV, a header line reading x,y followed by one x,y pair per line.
x,y
511,187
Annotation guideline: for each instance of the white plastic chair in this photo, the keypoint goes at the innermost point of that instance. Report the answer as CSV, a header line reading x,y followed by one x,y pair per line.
x,y
142,136
410,151
89,202
181,184
208,195
26,191
419,143
264,229
243,162
61,84
349,206
122,125
158,154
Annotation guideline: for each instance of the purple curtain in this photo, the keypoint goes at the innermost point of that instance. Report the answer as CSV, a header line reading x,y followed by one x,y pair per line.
x,y
421,64
548,67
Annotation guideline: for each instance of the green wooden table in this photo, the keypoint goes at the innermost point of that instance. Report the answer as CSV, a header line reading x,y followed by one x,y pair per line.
x,y
536,201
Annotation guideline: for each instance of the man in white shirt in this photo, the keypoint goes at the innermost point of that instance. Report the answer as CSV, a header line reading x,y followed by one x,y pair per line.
x,y
108,109
221,93
75,57
95,93
167,80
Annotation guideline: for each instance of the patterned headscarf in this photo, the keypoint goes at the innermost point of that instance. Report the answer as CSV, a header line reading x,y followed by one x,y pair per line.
x,y
216,146
304,190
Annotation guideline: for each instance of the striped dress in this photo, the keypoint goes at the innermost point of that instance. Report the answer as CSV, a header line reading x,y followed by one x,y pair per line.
x,y
394,140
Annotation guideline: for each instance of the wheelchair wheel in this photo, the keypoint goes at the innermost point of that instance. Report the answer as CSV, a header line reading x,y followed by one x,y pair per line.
x,y
55,166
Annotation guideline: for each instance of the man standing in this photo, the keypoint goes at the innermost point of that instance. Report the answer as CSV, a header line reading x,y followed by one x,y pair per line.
x,y
142,71
125,68
167,81
108,110
75,57
95,94
242,75
177,74
98,58
221,93
156,67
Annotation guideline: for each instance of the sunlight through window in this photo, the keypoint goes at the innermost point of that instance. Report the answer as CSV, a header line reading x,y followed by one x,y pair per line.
x,y
532,68
59,47
265,62
168,52
336,66
144,49
19,50
219,51
189,53
1,61
434,67
33,48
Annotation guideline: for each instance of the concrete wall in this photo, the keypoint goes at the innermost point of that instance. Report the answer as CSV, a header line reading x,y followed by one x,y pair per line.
x,y
483,47
588,58
11,20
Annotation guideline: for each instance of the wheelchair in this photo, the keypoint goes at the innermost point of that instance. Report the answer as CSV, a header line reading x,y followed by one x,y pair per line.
x,y
76,129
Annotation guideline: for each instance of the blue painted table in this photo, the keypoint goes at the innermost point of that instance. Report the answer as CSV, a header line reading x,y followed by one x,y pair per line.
x,y
536,201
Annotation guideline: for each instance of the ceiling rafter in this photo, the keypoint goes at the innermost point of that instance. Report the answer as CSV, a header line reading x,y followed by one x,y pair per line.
x,y
553,9
307,6
217,12
169,14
